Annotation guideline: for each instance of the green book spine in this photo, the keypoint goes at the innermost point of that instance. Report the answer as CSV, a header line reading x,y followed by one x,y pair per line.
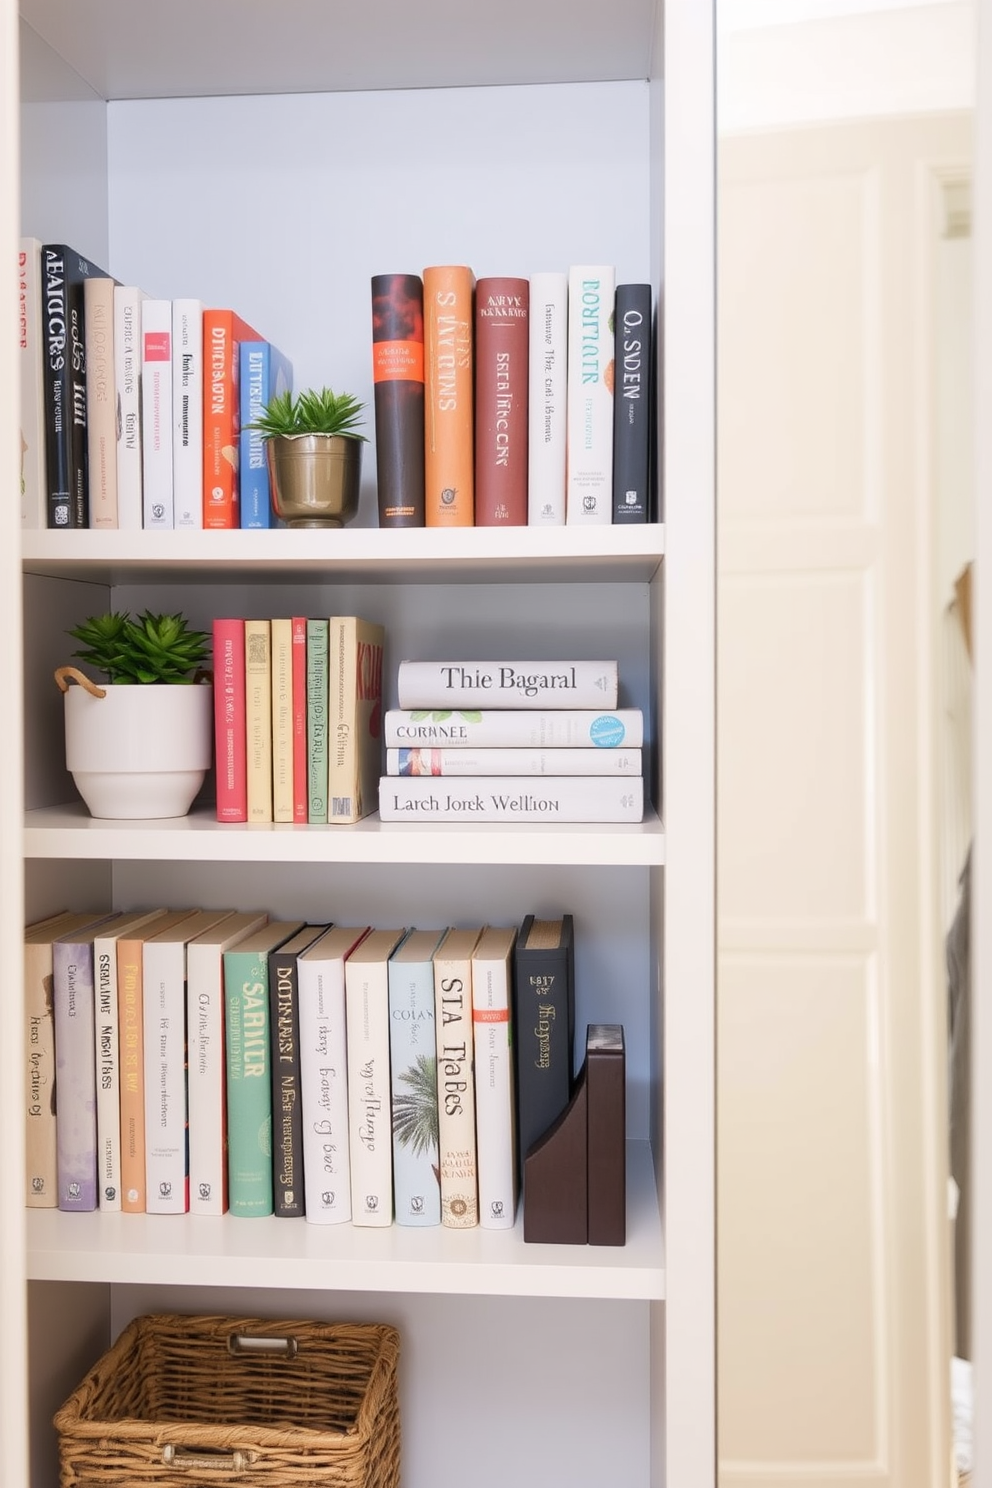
x,y
317,660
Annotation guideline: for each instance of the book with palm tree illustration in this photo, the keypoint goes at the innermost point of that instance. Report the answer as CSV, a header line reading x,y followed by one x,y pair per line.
x,y
413,1064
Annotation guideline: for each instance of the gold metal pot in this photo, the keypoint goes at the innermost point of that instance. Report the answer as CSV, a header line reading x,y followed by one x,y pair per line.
x,y
314,478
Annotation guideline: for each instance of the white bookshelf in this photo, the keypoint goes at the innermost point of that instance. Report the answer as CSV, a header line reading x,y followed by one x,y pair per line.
x,y
625,1335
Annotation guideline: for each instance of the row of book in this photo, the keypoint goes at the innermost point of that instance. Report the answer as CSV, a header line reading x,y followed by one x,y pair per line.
x,y
510,402
206,1060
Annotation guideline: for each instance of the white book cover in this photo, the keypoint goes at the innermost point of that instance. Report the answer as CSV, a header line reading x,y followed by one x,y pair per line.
x,y
101,401
156,414
187,412
511,798
324,1074
127,377
455,1079
513,728
31,362
496,1142
589,485
163,973
513,761
548,406
507,684
366,987
75,1069
205,1075
413,1079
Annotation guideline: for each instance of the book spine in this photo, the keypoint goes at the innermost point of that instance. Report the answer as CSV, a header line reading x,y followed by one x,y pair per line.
x,y
547,400
187,412
544,1027
127,374
132,1060
633,404
492,983
508,728
505,798
206,1080
282,719
258,718
413,1082
354,708
223,333
40,1124
264,373
455,1093
324,1091
230,736
370,1142
398,381
101,409
108,1083
75,1076
64,272
249,1087
156,413
317,702
513,762
164,1014
299,667
449,438
501,401
31,371
589,488
288,1192
509,684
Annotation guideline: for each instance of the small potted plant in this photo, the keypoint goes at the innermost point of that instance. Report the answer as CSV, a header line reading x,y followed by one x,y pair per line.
x,y
140,746
314,453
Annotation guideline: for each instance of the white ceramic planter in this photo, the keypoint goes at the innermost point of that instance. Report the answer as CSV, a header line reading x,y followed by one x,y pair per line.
x,y
139,753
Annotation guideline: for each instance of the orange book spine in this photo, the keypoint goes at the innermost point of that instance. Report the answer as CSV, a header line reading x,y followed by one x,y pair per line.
x,y
449,425
132,1086
223,332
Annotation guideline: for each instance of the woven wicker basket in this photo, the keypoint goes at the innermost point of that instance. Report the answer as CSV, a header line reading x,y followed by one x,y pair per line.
x,y
212,1400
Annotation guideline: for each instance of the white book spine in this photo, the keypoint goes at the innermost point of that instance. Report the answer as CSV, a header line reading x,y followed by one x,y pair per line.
x,y
413,1067
205,1079
367,1001
75,1075
507,684
101,401
507,798
164,1026
324,1090
108,1074
127,376
156,413
509,728
513,762
548,383
589,490
34,492
494,1122
187,412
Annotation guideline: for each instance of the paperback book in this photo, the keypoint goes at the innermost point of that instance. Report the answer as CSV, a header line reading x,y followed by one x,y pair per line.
x,y
264,373
230,737
589,485
501,397
187,412
509,798
354,717
366,982
513,761
127,375
282,718
495,1119
455,1079
101,401
413,1078
547,399
223,333
317,699
507,684
258,719
75,1070
288,1197
64,271
156,413
31,370
633,398
449,426
512,728
299,669
398,379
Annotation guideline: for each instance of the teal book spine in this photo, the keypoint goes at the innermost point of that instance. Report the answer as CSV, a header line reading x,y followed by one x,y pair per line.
x,y
317,660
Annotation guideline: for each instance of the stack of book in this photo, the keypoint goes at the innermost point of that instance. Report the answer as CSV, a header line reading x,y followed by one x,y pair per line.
x,y
536,741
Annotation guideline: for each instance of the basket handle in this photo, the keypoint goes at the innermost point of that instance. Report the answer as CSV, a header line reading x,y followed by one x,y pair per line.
x,y
186,1460
64,673
247,1343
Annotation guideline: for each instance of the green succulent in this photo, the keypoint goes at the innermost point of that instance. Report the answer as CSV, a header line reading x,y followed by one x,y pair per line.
x,y
310,412
153,648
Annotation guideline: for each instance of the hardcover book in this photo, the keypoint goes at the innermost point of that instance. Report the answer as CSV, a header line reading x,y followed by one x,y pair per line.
x,y
513,762
455,1082
223,333
495,1116
413,1079
156,413
633,404
366,985
187,412
511,728
502,355
230,733
31,371
511,798
264,373
282,719
449,433
75,1070
589,484
127,373
324,1074
317,699
301,799
101,401
249,1079
507,684
64,272
547,399
288,1199
544,1022
258,718
354,717
398,378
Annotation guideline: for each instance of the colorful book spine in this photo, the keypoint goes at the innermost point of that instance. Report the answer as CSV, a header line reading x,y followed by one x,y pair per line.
x,y
507,684
509,798
31,373
324,1074
64,273
547,399
455,1082
502,357
264,373
589,487
492,1002
101,401
354,717
158,510
633,399
510,728
75,1070
258,718
187,412
282,719
513,762
127,372
449,434
288,1196
398,381
223,333
544,1025
230,737
413,1080
317,700
366,984
301,802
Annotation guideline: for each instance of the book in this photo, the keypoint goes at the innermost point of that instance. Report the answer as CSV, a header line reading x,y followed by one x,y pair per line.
x,y
230,737
127,374
589,481
31,376
509,798
163,974
64,272
495,1116
354,717
544,1025
75,1069
101,401
258,719
288,1198
510,728
502,355
449,423
413,1080
317,644
513,761
223,333
398,391
301,802
633,404
247,1061
282,719
547,399
366,990
187,412
510,684
264,372
605,1074
157,463
324,1074
455,1083
206,1075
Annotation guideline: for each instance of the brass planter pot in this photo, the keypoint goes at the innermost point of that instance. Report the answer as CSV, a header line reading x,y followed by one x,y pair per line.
x,y
314,478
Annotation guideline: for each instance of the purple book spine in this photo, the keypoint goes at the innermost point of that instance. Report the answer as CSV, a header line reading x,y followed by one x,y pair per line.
x,y
75,1075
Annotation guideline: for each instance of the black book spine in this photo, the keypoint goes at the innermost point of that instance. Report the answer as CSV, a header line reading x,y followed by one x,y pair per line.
x,y
63,273
632,404
544,1027
398,380
287,1115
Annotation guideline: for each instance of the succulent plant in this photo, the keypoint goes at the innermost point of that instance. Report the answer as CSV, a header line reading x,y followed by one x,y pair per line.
x,y
150,649
310,412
